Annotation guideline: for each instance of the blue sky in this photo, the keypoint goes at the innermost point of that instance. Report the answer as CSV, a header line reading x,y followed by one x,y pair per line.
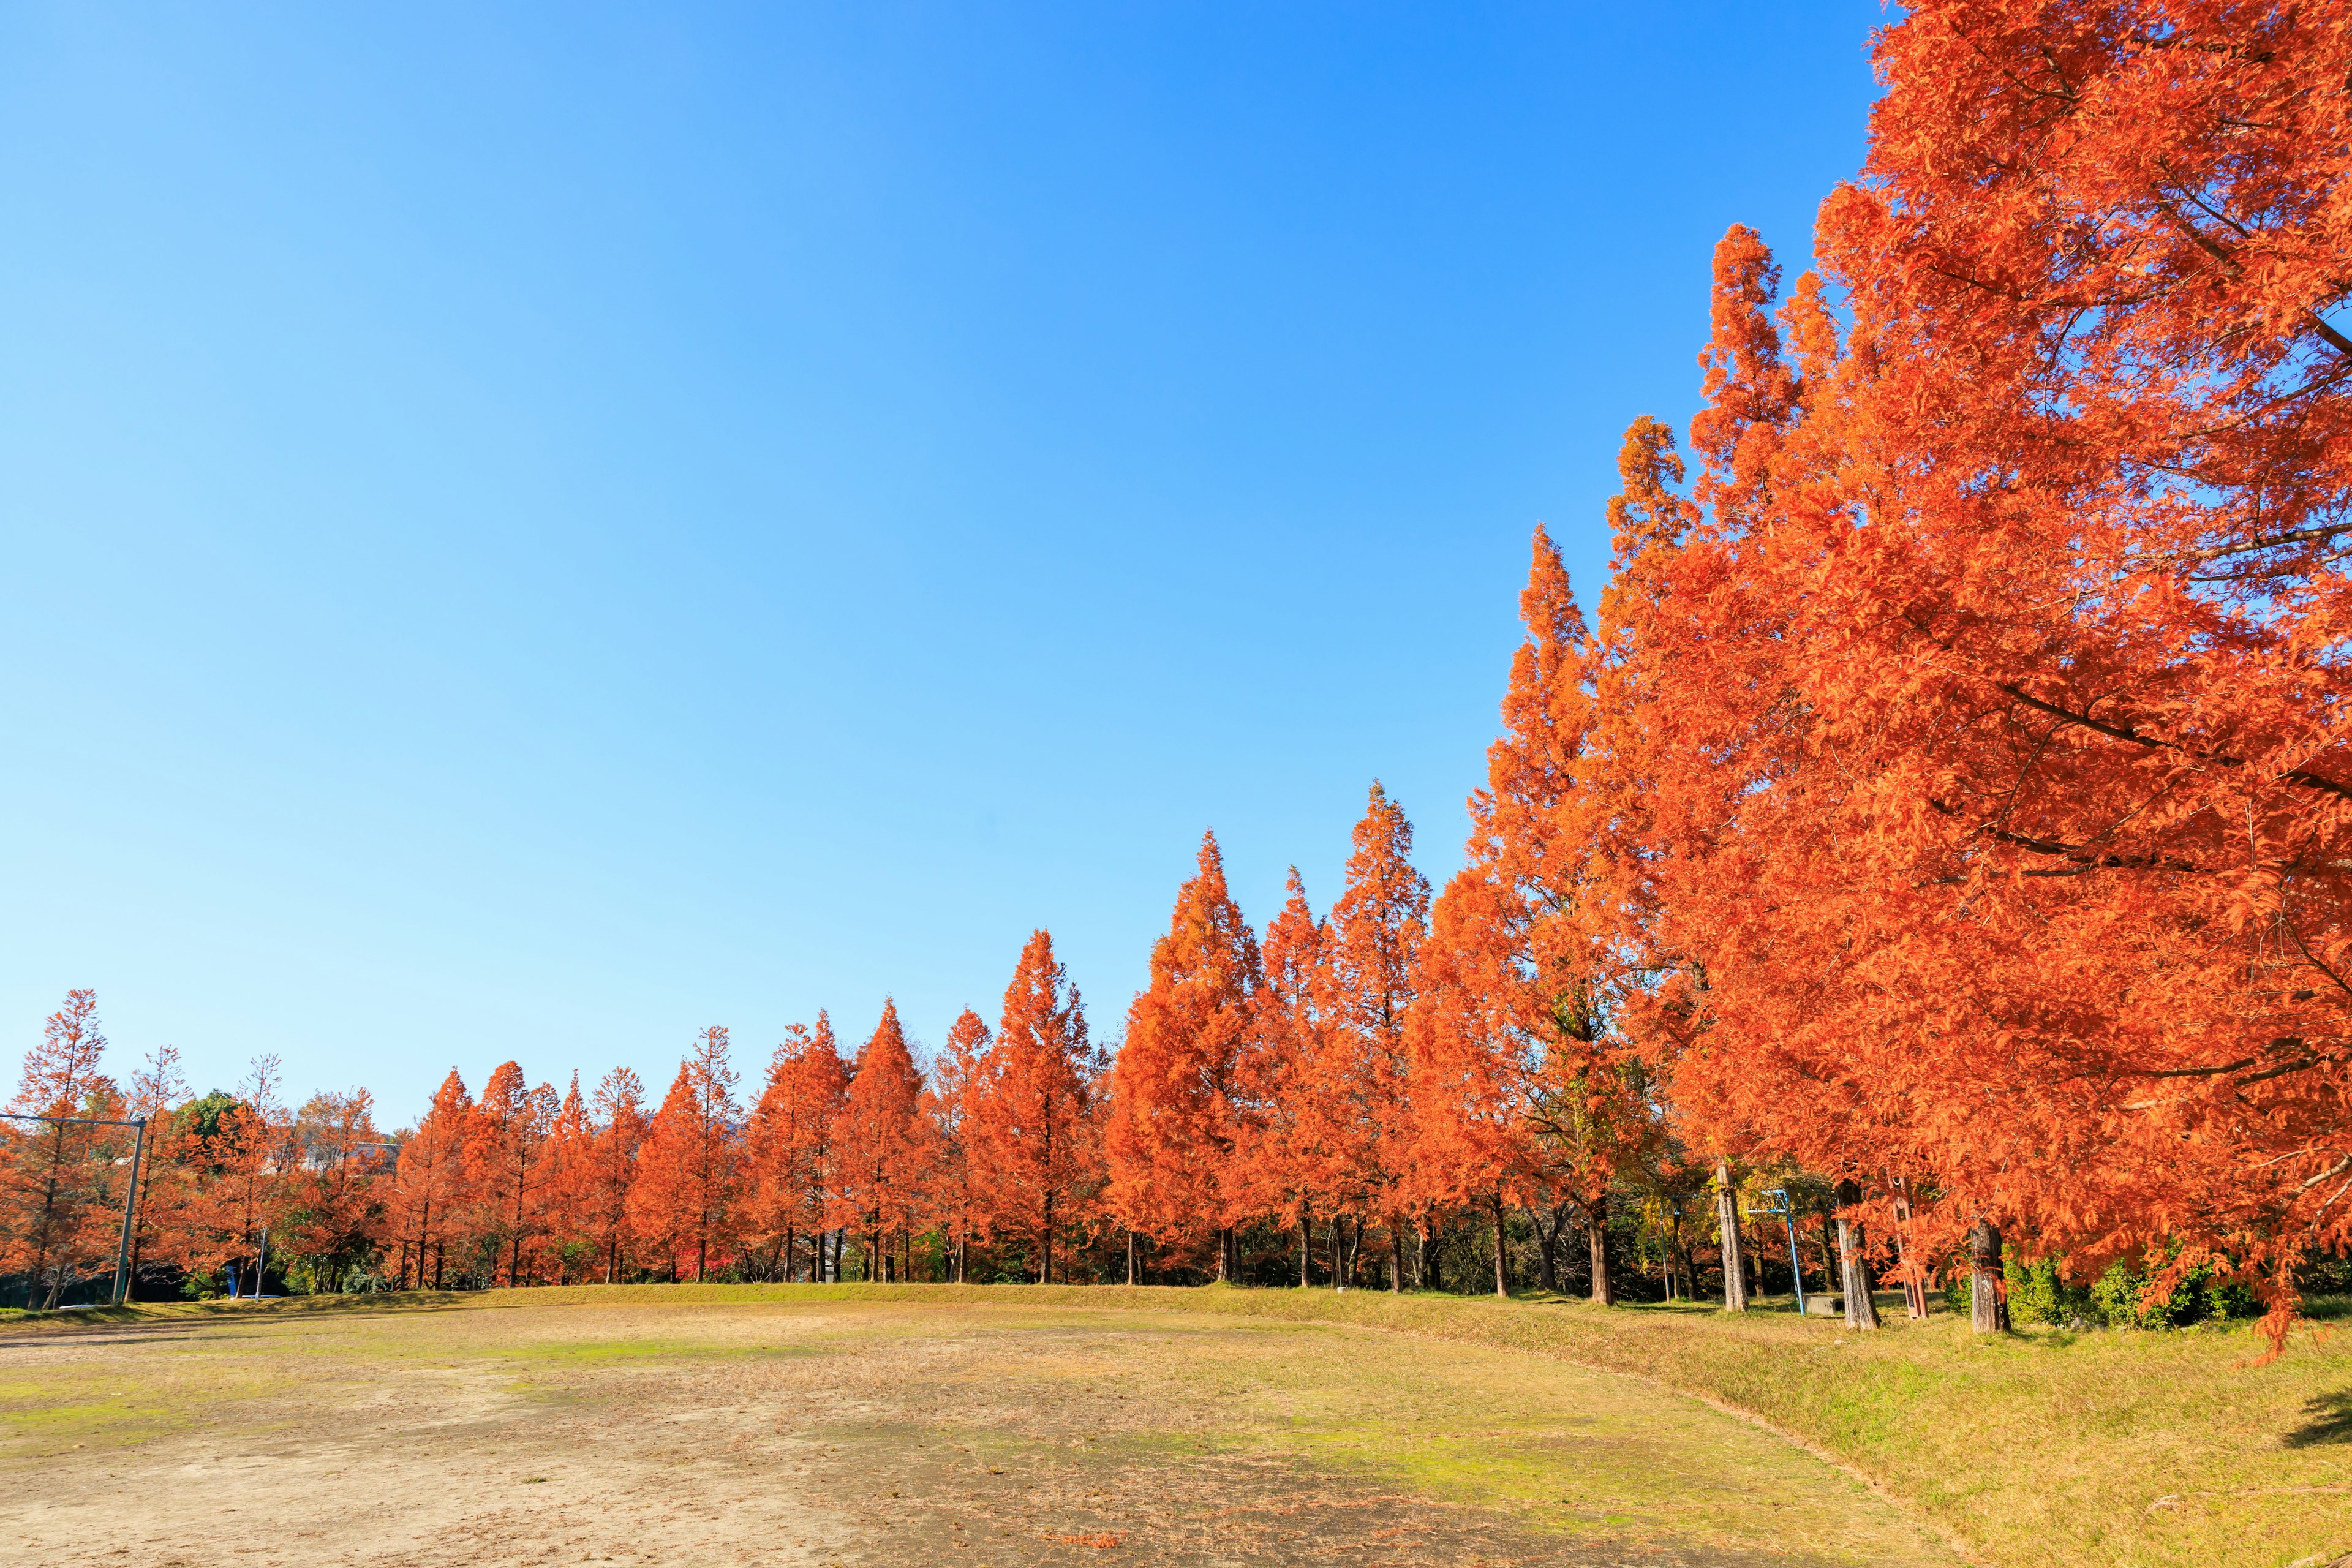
x,y
525,535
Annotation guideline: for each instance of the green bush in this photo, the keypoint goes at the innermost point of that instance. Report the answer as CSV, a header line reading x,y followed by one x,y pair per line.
x,y
2197,1297
2040,1293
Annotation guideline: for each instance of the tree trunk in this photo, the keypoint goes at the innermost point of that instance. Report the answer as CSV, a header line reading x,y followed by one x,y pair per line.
x,y
1547,1245
1987,1292
1861,1311
1915,1289
1596,1241
1305,1246
1396,1256
1854,1263
1502,1282
1726,1219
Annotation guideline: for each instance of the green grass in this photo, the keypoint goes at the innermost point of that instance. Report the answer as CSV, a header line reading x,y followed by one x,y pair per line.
x,y
2043,1448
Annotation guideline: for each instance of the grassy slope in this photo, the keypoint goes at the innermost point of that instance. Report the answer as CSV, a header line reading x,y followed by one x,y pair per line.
x,y
2038,1448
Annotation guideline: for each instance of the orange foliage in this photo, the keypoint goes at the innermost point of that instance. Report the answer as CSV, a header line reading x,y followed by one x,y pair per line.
x,y
1952,805
1179,1117
788,1143
429,1189
567,1188
612,1163
881,1146
682,1198
2007,633
1281,1156
56,1217
957,1079
512,1123
1355,1104
1031,1119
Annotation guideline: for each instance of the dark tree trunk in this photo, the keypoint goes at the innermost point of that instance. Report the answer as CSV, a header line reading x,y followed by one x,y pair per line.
x,y
1502,1280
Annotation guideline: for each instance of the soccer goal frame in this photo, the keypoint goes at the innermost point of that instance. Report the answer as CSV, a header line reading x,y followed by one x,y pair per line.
x,y
130,1194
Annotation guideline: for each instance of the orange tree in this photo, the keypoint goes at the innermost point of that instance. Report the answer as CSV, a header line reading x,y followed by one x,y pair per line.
x,y
881,1146
1179,1118
1985,721
54,1208
1355,1096
616,1135
1032,1124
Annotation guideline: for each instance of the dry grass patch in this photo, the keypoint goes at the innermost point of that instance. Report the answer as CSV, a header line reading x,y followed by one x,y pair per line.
x,y
989,1427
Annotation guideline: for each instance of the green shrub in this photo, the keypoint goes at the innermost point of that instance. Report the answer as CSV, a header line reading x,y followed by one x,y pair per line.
x,y
2040,1293
2197,1298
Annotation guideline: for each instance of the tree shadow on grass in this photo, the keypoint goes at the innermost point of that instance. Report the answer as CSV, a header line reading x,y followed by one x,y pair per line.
x,y
2331,1422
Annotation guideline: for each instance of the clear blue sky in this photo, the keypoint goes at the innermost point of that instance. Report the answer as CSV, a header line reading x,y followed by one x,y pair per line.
x,y
525,536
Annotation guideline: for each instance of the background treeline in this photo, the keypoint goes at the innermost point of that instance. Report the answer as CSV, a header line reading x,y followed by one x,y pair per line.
x,y
1945,819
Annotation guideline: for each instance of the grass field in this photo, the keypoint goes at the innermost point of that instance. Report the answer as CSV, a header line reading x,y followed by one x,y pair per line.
x,y
1008,1425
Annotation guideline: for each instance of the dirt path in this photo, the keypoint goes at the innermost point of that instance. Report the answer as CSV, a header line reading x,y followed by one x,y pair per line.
x,y
880,1434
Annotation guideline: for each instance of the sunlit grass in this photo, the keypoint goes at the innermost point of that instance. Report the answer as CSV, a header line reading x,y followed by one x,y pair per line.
x,y
2043,1447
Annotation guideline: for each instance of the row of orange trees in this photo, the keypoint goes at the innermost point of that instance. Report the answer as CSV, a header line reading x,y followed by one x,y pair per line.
x,y
1953,794
1949,798
213,1175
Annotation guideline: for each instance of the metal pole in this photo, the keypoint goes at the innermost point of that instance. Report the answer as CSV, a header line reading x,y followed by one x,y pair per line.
x,y
1796,1272
1787,1211
129,1205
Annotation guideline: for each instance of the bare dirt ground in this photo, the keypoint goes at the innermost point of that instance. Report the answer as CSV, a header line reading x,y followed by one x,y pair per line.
x,y
551,1427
